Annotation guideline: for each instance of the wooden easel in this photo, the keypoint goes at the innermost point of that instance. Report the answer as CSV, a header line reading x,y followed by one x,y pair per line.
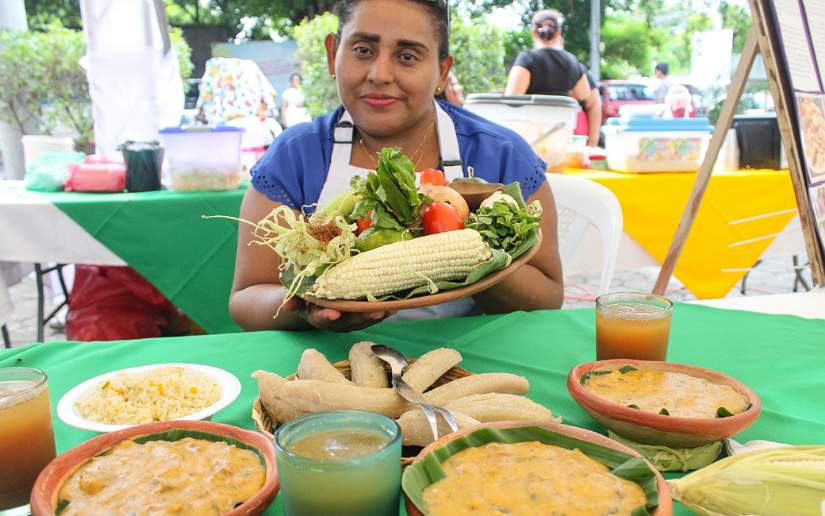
x,y
762,39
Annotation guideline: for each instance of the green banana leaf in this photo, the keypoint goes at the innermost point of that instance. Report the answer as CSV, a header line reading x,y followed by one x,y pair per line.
x,y
175,435
498,261
428,471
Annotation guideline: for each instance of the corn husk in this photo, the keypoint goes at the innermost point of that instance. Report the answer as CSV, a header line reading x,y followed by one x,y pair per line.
x,y
781,482
666,458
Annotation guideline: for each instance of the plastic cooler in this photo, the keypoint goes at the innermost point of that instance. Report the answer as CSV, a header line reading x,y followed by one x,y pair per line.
x,y
203,158
656,145
545,121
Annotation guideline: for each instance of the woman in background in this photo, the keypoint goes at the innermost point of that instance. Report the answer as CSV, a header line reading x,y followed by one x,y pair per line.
x,y
293,110
548,69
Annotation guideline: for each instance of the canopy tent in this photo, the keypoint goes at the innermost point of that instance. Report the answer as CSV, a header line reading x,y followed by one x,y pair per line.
x,y
133,73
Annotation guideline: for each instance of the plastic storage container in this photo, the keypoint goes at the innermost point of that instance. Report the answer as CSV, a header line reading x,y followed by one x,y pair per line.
x,y
34,145
545,121
656,145
203,158
759,140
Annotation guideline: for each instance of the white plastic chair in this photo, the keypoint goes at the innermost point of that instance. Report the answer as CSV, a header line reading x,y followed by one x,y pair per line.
x,y
581,203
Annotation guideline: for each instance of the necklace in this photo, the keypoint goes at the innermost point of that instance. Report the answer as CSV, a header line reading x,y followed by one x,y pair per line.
x,y
417,155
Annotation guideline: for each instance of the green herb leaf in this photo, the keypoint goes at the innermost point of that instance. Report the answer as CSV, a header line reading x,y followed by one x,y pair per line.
x,y
634,406
627,369
723,412
586,376
504,226
61,506
664,412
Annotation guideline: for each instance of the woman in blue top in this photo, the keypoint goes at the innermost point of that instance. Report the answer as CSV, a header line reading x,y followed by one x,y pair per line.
x,y
389,59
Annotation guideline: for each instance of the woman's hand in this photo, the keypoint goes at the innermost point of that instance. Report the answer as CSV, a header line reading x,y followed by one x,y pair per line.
x,y
332,320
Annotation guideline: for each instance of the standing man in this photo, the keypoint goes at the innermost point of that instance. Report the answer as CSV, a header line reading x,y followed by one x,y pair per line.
x,y
661,72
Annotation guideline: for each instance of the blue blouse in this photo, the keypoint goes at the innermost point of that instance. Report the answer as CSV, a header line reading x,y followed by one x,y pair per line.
x,y
294,169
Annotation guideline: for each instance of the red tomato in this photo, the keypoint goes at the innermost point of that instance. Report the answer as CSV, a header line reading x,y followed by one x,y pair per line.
x,y
363,225
433,177
439,217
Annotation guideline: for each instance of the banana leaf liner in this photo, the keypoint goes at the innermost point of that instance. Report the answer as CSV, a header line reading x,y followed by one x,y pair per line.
x,y
428,470
498,261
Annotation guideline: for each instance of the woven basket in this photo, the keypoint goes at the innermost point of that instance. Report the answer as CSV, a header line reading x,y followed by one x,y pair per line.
x,y
265,425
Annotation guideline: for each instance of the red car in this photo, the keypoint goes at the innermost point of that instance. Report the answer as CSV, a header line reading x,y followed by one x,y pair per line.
x,y
618,93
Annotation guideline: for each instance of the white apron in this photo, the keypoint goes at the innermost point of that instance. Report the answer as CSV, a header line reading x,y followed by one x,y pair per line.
x,y
341,173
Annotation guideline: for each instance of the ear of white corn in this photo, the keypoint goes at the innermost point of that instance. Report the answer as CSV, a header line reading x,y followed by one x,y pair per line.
x,y
404,265
780,481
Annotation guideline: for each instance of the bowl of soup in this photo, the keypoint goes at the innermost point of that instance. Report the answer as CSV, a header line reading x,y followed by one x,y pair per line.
x,y
540,468
662,403
181,467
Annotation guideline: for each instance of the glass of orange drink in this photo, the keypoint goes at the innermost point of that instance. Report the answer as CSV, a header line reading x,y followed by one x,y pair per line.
x,y
26,435
632,325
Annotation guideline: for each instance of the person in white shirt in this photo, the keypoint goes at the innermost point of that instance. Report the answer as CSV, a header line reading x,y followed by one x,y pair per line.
x,y
661,72
293,110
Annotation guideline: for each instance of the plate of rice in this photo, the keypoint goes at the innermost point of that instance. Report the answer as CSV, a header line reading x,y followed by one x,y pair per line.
x,y
147,394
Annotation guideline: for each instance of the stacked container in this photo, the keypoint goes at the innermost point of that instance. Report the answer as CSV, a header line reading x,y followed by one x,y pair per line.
x,y
203,158
656,145
545,121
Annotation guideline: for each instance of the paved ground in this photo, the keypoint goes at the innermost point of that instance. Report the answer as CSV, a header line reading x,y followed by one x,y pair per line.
x,y
772,276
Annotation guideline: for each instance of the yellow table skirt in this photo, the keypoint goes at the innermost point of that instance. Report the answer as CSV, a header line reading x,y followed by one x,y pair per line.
x,y
652,206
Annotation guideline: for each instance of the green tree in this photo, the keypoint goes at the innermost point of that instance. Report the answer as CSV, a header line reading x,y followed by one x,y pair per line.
x,y
739,19
629,44
54,91
320,93
478,52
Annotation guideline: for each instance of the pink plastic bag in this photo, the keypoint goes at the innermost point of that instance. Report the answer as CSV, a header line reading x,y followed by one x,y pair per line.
x,y
94,175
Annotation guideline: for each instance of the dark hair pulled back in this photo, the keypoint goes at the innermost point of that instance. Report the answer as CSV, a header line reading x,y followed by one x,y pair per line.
x,y
547,23
438,11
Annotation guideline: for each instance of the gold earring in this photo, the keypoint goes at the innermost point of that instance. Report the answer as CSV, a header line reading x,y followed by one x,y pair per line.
x,y
438,90
333,76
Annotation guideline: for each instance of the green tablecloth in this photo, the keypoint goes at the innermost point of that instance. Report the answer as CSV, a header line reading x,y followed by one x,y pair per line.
x,y
781,357
163,237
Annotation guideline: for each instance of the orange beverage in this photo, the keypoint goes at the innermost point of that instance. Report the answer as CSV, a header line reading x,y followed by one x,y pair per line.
x,y
632,325
26,435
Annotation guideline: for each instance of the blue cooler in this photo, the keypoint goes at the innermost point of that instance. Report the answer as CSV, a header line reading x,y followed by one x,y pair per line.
x,y
656,145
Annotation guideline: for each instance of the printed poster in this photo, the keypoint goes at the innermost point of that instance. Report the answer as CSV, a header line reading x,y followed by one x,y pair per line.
x,y
812,131
817,194
794,37
815,13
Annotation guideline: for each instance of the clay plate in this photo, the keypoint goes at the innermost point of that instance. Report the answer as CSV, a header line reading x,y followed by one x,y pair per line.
x,y
665,507
428,299
47,486
649,428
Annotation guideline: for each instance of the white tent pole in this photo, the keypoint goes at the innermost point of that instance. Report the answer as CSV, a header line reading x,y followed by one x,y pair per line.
x,y
12,17
595,38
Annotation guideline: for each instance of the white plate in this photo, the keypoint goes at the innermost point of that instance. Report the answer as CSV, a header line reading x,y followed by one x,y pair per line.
x,y
230,386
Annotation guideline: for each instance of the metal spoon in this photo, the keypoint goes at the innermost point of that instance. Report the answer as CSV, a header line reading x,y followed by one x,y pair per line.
x,y
397,363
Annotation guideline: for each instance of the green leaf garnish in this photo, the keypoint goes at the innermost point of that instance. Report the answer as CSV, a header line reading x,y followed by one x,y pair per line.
x,y
627,369
586,376
61,506
723,412
664,412
633,406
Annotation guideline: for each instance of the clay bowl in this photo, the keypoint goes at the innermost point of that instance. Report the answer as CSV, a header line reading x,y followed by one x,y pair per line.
x,y
665,507
475,193
50,480
649,428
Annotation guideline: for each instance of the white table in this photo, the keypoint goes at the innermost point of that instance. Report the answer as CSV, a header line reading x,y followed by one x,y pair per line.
x,y
810,305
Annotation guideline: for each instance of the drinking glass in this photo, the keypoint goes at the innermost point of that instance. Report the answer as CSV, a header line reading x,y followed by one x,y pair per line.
x,y
632,325
26,435
354,486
